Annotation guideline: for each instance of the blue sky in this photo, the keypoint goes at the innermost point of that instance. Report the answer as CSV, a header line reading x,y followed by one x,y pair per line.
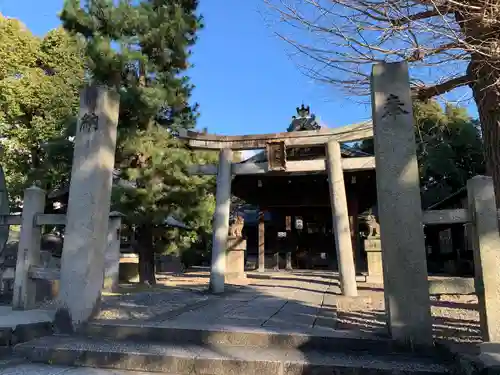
x,y
245,82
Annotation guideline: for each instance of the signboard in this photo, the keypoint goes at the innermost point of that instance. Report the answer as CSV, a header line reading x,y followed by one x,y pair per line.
x,y
299,224
276,156
281,234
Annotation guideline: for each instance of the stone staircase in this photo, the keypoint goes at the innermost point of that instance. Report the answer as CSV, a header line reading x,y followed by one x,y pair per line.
x,y
185,350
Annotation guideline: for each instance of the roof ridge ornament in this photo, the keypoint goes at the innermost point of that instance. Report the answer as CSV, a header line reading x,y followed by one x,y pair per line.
x,y
305,120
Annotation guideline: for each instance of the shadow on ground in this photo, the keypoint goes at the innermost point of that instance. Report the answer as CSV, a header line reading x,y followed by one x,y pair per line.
x,y
283,302
298,300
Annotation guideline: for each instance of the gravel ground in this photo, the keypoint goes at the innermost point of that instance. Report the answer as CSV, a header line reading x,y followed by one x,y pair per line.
x,y
455,317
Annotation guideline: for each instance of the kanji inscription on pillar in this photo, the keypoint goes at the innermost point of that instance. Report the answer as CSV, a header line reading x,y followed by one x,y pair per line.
x,y
89,122
276,156
394,107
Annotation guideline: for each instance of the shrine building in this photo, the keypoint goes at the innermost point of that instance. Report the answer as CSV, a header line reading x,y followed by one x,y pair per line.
x,y
293,211
289,207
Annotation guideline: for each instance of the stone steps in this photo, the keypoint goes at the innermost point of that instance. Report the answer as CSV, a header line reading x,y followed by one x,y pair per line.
x,y
184,359
323,340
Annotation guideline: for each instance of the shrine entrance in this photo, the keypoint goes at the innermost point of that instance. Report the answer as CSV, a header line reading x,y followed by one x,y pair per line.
x,y
299,177
298,217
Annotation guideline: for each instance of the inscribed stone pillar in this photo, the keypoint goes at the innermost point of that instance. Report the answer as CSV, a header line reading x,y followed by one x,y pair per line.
x,y
486,245
340,217
112,255
85,240
221,221
28,253
406,288
235,259
262,240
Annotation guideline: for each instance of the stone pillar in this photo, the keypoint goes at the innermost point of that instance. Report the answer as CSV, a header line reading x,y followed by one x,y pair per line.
x,y
289,261
277,261
406,287
235,259
352,209
262,242
28,253
85,240
373,250
112,255
221,221
340,219
486,245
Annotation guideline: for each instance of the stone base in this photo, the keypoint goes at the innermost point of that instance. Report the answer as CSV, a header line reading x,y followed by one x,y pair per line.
x,y
373,248
375,279
235,259
349,303
235,278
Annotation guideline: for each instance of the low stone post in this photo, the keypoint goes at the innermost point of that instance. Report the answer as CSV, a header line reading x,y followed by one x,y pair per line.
x,y
235,259
406,287
262,242
28,253
112,255
486,248
340,217
85,239
276,261
289,261
221,221
373,248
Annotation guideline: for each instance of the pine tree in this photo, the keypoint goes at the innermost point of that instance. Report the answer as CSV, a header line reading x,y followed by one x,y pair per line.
x,y
142,49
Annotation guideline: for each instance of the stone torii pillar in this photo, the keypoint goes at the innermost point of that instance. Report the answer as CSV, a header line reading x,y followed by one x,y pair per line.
x,y
340,216
221,221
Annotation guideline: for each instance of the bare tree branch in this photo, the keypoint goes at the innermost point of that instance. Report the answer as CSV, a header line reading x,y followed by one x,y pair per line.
x,y
425,93
448,43
438,11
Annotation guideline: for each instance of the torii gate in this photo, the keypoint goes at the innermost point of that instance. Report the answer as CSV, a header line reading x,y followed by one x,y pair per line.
x,y
275,145
406,286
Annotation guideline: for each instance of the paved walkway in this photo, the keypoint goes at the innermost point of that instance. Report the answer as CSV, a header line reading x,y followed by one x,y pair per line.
x,y
281,301
36,369
298,301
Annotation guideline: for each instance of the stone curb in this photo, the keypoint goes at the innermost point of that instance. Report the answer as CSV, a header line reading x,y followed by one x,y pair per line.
x,y
232,361
10,336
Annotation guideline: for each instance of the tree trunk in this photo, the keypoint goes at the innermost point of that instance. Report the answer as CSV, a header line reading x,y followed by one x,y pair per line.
x,y
146,255
485,85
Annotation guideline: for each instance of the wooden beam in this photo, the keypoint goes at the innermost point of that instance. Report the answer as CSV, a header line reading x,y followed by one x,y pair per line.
x,y
349,133
455,216
317,165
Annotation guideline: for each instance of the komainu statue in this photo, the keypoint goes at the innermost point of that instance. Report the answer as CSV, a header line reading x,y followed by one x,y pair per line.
x,y
369,223
372,225
236,228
